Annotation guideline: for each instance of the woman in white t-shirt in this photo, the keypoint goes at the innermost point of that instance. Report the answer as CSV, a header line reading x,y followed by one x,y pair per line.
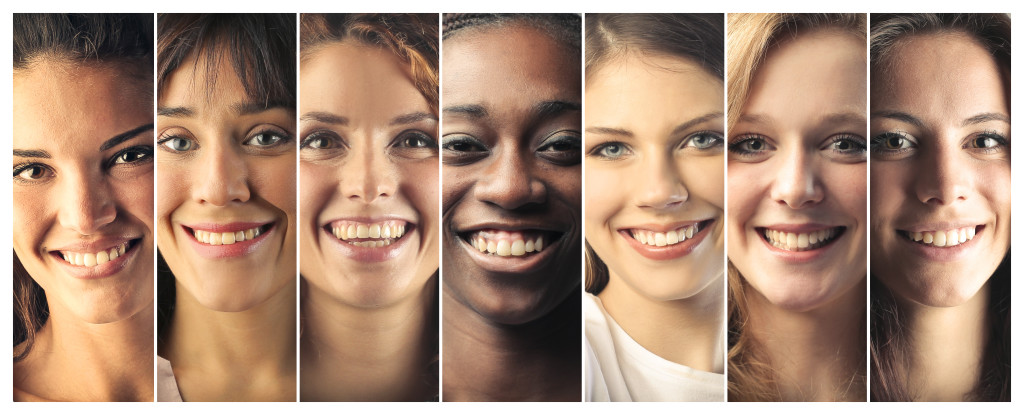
x,y
654,174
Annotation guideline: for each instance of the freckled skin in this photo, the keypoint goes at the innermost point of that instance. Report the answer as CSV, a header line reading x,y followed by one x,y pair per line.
x,y
945,177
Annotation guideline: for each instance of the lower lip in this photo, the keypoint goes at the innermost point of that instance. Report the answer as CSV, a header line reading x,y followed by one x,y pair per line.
x,y
100,271
943,254
667,252
367,254
234,250
800,257
511,264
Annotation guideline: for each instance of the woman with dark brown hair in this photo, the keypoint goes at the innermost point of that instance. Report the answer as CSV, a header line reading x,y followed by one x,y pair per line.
x,y
83,207
226,212
940,207
369,171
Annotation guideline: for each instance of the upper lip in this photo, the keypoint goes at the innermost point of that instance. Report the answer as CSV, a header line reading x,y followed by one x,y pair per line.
x,y
96,245
798,227
664,227
512,226
224,227
938,226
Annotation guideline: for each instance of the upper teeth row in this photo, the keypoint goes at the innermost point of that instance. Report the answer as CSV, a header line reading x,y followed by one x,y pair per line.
x,y
93,259
665,238
944,238
376,230
516,246
225,238
791,241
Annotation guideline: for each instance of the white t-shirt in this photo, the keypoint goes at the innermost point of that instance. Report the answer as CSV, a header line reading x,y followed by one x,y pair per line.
x,y
166,385
621,370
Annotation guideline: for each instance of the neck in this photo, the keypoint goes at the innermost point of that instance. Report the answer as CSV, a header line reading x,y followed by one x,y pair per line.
x,y
686,331
213,352
487,361
72,360
947,348
369,354
816,355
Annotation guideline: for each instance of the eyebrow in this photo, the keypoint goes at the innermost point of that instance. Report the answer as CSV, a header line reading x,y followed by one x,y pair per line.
x,y
844,117
755,119
548,109
680,128
324,117
899,116
471,111
986,117
32,153
125,136
240,108
412,118
175,112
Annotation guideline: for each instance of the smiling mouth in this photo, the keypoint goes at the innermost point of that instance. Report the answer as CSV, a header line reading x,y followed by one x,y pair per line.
x,y
668,238
229,238
92,259
943,238
369,235
801,241
510,243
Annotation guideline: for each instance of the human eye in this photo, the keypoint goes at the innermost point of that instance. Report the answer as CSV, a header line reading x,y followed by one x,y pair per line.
x,y
132,156
892,145
177,144
703,141
846,148
460,149
30,173
321,140
561,147
987,142
267,137
750,148
415,139
613,150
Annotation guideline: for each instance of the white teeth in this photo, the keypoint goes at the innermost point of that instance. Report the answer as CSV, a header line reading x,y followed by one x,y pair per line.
x,y
506,243
947,238
225,238
89,259
373,235
791,241
665,238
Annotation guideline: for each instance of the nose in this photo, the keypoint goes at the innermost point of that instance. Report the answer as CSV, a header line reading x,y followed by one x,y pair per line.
x,y
660,185
941,180
221,177
509,182
796,183
88,203
367,175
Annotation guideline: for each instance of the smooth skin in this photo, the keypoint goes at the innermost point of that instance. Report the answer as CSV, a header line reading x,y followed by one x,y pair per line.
x,y
365,324
84,185
949,162
223,159
798,157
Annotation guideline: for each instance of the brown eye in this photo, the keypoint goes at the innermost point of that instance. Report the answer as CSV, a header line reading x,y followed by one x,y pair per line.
x,y
32,172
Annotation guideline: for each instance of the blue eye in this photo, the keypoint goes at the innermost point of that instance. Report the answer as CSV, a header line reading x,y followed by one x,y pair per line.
x,y
178,144
703,140
611,150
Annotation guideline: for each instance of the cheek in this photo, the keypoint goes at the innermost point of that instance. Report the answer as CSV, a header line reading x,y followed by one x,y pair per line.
x,y
606,193
566,184
274,181
420,181
455,184
173,188
744,180
848,184
31,225
318,184
703,178
136,197
888,184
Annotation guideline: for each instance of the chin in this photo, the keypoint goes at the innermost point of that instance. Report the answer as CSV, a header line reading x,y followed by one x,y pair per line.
x,y
939,290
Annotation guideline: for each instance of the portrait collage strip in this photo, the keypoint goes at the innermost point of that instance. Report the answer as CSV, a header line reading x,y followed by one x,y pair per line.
x,y
488,207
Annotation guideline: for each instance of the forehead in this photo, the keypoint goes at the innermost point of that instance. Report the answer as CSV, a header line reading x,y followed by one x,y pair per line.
x,y
960,76
820,71
352,75
66,103
486,65
202,78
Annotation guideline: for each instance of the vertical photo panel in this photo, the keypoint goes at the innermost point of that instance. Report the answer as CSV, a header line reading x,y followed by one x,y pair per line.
x,y
511,207
798,224
655,198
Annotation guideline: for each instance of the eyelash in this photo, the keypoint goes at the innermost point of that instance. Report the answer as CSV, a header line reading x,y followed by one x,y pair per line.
x,y
852,139
403,138
145,153
737,144
1001,142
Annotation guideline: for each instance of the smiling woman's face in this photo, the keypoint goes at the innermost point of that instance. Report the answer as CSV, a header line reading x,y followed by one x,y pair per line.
x,y
83,187
226,171
369,171
655,127
940,179
798,172
511,153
